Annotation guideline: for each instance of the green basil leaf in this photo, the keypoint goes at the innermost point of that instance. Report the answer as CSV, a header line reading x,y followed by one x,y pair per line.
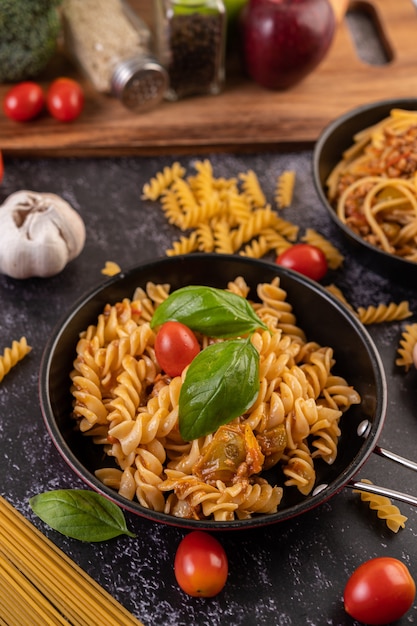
x,y
80,514
221,383
213,312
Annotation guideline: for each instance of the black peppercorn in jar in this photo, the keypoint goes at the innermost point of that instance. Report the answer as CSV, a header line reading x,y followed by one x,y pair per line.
x,y
190,44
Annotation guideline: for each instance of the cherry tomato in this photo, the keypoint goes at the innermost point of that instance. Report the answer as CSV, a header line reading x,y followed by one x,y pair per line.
x,y
380,591
201,565
305,259
175,347
24,101
65,99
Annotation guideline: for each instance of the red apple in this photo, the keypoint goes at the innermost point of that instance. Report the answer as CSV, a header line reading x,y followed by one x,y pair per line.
x,y
284,40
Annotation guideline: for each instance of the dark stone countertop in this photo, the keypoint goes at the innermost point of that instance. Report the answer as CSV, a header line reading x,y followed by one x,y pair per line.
x,y
290,574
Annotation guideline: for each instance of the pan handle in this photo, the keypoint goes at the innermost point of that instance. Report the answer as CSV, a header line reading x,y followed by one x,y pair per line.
x,y
382,491
387,454
363,430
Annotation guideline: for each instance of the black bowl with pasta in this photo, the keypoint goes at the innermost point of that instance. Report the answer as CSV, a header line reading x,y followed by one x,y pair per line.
x,y
297,445
364,178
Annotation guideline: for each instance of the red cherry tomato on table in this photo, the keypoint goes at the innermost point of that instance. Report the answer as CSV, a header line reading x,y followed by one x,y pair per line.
x,y
201,565
305,259
175,347
65,99
24,101
380,591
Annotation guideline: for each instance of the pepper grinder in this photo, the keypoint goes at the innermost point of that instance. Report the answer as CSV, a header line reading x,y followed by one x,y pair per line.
x,y
190,43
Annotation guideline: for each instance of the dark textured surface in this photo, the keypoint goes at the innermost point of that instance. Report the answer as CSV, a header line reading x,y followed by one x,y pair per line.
x,y
289,574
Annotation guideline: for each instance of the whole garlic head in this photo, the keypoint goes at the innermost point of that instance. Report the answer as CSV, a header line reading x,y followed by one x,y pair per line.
x,y
39,234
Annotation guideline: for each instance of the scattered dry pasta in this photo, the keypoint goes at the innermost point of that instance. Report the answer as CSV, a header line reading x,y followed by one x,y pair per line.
x,y
226,216
11,356
334,258
383,507
378,314
154,189
384,313
338,293
127,405
111,269
285,189
406,351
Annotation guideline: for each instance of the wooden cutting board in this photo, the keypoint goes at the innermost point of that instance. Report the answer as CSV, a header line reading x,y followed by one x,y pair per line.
x,y
245,116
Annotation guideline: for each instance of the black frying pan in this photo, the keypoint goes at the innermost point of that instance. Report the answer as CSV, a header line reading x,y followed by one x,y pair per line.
x,y
324,320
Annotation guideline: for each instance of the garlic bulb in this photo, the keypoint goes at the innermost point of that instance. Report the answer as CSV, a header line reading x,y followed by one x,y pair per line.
x,y
39,234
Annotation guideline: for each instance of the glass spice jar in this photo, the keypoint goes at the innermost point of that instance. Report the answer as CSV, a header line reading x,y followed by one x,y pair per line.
x,y
190,43
112,45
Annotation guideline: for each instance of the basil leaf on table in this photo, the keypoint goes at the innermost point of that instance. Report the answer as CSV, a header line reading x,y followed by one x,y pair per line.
x,y
213,312
80,514
221,383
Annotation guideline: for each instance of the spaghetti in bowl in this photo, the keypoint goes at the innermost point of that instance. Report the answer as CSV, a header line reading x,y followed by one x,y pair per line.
x,y
113,414
365,173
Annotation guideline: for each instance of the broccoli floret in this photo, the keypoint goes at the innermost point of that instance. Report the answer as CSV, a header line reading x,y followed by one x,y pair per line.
x,y
28,37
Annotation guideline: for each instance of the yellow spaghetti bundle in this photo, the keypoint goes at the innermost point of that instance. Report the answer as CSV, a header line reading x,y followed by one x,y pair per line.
x,y
43,587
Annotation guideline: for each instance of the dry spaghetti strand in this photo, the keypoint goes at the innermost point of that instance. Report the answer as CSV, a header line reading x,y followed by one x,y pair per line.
x,y
45,586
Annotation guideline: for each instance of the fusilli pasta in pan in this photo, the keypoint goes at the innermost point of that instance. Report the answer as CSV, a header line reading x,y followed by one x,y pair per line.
x,y
129,406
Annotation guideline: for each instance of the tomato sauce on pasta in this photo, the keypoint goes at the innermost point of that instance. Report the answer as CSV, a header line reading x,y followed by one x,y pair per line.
x,y
374,187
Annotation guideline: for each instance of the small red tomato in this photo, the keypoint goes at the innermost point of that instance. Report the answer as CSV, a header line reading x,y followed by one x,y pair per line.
x,y
305,259
24,101
65,99
380,591
201,565
175,347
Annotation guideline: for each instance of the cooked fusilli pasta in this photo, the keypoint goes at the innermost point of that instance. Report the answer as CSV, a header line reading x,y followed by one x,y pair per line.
x,y
127,405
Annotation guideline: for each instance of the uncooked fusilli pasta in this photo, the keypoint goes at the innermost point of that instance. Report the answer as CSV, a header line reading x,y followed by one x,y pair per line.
x,y
384,313
129,406
407,347
285,189
11,356
333,257
227,215
111,269
162,180
384,508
